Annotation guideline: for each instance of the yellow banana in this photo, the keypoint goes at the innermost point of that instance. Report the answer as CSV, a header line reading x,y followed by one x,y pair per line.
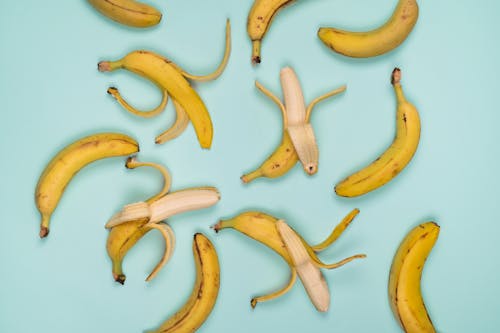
x,y
298,142
375,42
128,12
405,275
262,228
171,79
123,237
204,295
259,20
69,161
396,157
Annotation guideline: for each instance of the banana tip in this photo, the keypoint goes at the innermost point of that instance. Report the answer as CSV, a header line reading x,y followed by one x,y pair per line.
x,y
217,226
256,60
253,303
311,169
120,278
244,179
44,232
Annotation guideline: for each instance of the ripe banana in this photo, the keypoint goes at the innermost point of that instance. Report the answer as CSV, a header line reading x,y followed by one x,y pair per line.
x,y
298,142
169,205
128,12
206,289
124,236
375,42
69,161
173,81
135,220
404,279
259,20
396,157
263,228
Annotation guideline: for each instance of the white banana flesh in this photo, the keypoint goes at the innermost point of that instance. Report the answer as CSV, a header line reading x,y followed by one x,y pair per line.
x,y
293,97
313,280
169,205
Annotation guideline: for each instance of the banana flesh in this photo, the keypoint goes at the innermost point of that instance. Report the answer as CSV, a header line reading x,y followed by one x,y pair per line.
x,y
404,279
128,12
263,228
259,20
375,42
169,205
313,280
298,142
396,157
69,161
204,295
173,81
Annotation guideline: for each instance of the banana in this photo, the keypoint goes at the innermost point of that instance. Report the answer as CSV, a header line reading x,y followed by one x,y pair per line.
x,y
396,157
263,228
405,275
311,276
298,141
124,236
179,125
375,42
113,91
61,169
128,12
204,295
169,205
259,20
173,80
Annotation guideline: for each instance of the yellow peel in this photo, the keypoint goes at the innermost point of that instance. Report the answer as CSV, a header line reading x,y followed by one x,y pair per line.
x,y
145,114
180,124
169,237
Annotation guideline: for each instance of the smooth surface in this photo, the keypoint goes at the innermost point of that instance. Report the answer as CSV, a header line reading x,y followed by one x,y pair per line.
x,y
52,94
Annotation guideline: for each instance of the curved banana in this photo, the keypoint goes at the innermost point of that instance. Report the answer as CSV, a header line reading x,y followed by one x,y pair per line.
x,y
298,141
375,42
128,12
124,236
259,20
396,157
263,228
170,78
69,161
404,279
206,289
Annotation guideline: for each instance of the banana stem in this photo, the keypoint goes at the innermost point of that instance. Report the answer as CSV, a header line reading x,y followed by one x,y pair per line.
x,y
321,98
145,114
277,293
256,51
395,81
109,66
222,65
337,231
132,163
44,226
251,176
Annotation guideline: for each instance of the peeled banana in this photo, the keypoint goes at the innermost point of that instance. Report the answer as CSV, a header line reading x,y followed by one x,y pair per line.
x,y
69,161
131,223
128,12
404,279
123,237
298,142
263,228
375,42
204,295
259,20
396,157
173,81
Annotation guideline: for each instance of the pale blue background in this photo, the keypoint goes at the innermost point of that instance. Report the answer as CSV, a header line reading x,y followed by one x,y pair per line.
x,y
52,94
